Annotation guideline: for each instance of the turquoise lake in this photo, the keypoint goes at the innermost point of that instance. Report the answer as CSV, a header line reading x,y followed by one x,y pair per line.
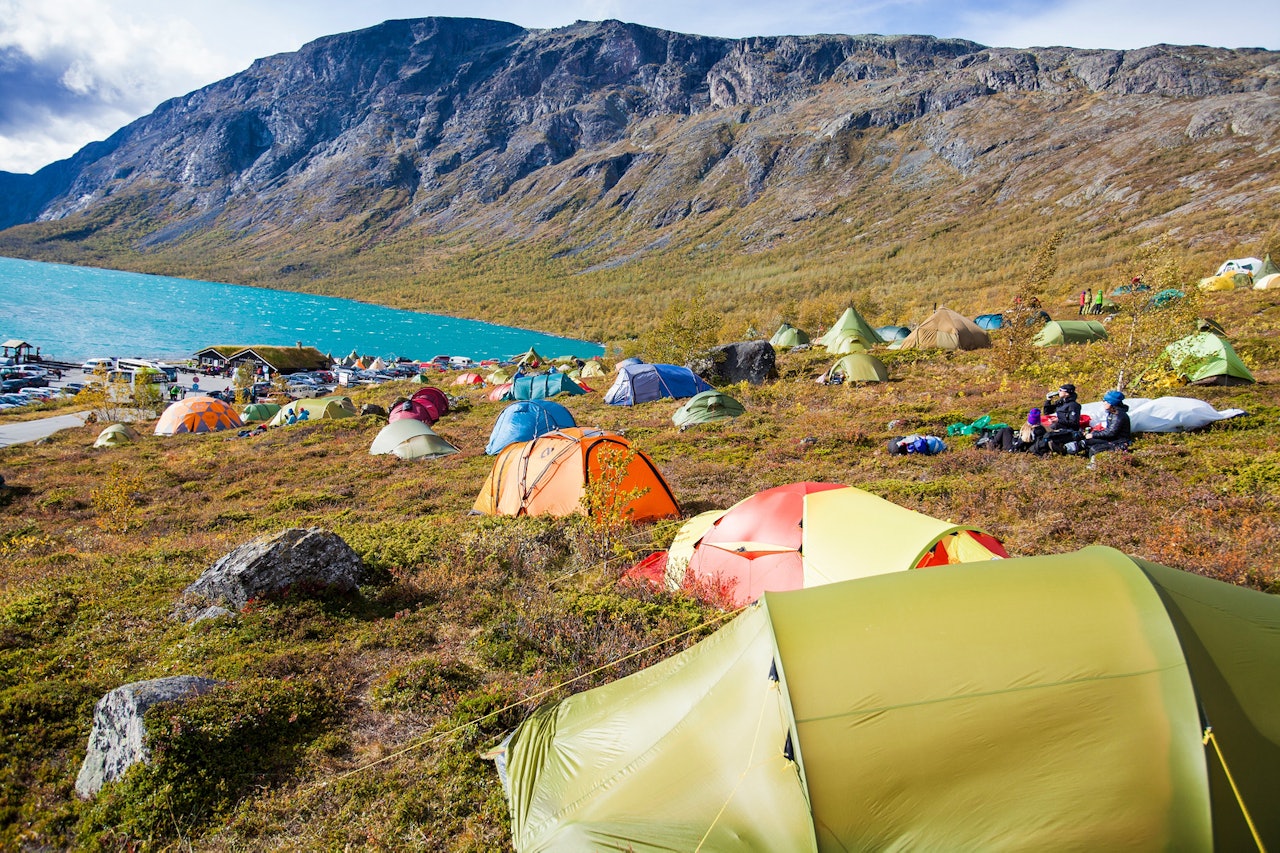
x,y
74,313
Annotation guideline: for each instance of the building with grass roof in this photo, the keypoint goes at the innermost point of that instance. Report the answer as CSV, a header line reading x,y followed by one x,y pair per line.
x,y
275,360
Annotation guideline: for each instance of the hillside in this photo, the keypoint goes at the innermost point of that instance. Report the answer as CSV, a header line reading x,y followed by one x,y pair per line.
x,y
478,169
356,721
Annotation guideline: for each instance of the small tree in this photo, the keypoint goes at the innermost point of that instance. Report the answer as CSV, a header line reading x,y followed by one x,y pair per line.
x,y
606,504
1012,350
688,330
145,394
243,380
1140,332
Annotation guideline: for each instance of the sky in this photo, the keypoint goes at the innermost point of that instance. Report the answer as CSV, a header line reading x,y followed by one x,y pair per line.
x,y
75,71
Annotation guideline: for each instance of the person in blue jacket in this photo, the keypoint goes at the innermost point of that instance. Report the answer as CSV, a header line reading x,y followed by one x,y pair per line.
x,y
1117,432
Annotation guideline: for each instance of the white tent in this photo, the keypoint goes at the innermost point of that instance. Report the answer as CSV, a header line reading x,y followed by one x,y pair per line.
x,y
1249,265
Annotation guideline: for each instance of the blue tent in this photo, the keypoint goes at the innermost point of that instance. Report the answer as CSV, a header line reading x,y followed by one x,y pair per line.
x,y
543,385
525,421
893,333
641,383
989,321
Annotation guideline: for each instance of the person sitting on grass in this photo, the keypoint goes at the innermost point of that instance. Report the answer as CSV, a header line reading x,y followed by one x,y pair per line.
x,y
1024,439
1117,432
1065,408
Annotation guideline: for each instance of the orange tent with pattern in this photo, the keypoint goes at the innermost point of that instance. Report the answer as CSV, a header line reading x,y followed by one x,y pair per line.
x,y
197,414
549,475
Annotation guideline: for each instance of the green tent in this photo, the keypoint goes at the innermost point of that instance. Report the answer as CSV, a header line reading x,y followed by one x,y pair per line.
x,y
409,438
788,336
1207,359
259,412
1058,332
333,406
1267,268
114,435
848,331
707,406
858,367
1042,703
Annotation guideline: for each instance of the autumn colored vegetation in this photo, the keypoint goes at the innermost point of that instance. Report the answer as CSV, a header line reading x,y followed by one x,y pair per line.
x,y
358,721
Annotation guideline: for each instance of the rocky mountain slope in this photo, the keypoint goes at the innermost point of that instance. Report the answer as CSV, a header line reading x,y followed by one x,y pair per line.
x,y
606,145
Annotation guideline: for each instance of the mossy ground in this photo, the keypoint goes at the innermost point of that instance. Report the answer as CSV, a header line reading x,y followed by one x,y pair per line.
x,y
357,721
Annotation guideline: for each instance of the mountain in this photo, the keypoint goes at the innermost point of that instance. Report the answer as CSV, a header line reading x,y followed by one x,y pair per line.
x,y
400,161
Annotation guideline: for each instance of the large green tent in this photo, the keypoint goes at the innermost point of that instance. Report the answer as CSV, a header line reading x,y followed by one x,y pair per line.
x,y
1058,332
858,367
333,406
1208,359
259,412
1042,703
788,336
850,331
705,407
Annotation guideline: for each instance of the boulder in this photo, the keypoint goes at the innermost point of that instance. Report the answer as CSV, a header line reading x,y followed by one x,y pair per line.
x,y
749,361
119,739
272,564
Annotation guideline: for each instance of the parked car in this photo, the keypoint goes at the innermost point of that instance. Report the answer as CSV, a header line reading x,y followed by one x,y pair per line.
x,y
11,385
97,363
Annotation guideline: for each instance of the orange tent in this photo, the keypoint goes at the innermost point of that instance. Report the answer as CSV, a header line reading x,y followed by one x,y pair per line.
x,y
197,414
549,475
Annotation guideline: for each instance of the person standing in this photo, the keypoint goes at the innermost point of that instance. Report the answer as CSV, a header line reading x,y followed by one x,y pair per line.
x,y
1084,301
1097,302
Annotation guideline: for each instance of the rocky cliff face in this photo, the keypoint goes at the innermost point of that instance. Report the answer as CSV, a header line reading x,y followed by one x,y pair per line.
x,y
442,124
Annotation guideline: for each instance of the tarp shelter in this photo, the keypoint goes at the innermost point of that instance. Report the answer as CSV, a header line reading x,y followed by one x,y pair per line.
x,y
259,413
114,435
197,414
893,333
858,367
525,421
543,385
989,321
1041,703
705,407
332,407
549,476
807,534
410,439
1059,332
850,330
1244,265
946,329
469,379
1164,414
642,383
789,336
1207,359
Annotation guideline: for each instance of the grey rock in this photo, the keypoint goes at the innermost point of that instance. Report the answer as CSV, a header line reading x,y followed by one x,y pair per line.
x,y
373,409
746,361
272,564
213,612
119,738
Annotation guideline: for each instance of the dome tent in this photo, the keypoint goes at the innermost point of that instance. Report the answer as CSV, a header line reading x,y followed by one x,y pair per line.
x,y
525,421
893,333
788,336
946,329
1024,704
549,476
1208,359
643,383
989,321
806,534
115,435
409,438
197,414
705,407
1058,332
858,367
331,407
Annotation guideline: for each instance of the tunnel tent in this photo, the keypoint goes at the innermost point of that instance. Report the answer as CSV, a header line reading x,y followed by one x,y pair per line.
x,y
920,710
1059,332
707,407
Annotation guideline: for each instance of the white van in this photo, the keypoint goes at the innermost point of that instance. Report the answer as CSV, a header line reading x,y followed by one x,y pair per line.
x,y
95,364
460,361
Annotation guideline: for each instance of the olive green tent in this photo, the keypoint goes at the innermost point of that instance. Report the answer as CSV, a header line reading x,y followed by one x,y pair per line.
x,y
1207,359
259,412
410,438
334,406
788,336
1058,332
707,406
1262,276
858,367
1042,703
850,332
115,435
